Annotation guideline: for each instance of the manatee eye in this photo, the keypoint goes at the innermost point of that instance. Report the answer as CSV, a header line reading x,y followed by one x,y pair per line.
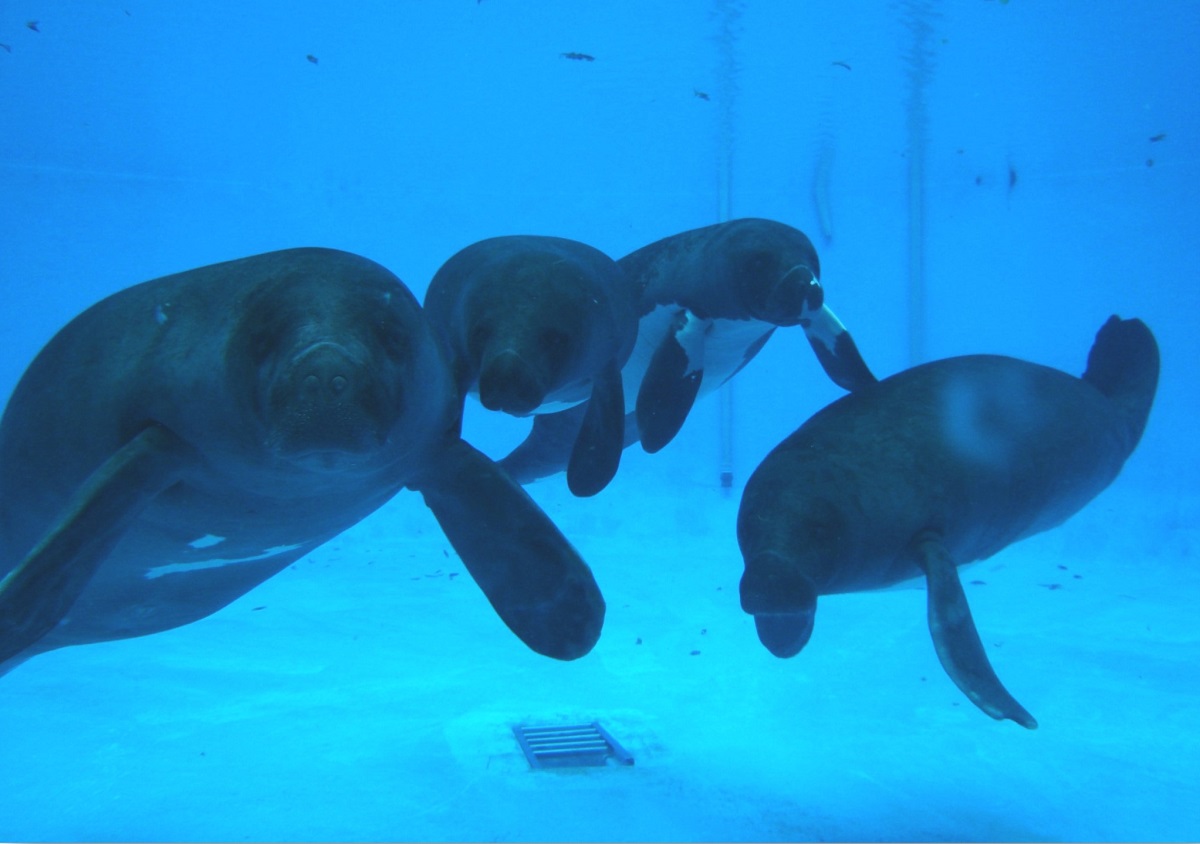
x,y
756,263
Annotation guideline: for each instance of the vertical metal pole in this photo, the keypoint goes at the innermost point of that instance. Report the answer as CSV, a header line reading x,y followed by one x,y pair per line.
x,y
728,11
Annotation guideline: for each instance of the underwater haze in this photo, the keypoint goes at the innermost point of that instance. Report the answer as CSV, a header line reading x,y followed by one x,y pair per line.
x,y
982,176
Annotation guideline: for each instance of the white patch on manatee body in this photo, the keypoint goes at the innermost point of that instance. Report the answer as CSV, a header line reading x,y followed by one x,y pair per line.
x,y
206,541
218,562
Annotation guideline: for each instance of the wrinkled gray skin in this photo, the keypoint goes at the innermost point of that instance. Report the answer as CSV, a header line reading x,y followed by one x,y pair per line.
x,y
186,438
934,467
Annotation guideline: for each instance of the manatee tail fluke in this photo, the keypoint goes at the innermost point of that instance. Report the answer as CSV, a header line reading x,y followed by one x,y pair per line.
x,y
1123,365
957,641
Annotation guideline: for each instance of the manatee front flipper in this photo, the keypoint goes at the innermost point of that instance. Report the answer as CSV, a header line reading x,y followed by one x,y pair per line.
x,y
39,592
534,579
955,638
836,351
597,450
671,382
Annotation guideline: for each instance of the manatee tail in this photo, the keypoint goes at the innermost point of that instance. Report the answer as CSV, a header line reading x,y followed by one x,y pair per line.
x,y
1123,365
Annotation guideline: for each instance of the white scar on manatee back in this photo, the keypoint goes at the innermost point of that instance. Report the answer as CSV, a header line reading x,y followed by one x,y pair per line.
x,y
209,541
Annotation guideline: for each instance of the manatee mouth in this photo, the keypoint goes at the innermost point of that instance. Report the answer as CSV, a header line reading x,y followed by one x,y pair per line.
x,y
791,299
509,384
782,599
784,634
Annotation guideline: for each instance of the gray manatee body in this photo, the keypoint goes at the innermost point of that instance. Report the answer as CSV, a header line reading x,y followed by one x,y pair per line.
x,y
940,465
537,324
710,298
186,438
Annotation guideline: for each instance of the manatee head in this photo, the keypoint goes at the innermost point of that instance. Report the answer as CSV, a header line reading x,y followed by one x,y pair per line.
x,y
776,271
793,544
529,330
340,364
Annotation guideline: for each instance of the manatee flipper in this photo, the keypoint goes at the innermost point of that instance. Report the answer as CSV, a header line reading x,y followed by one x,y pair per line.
x,y
956,639
597,450
38,593
836,351
534,579
671,382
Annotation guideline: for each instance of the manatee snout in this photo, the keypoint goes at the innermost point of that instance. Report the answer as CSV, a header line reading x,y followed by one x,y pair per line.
x,y
782,600
509,384
793,297
328,402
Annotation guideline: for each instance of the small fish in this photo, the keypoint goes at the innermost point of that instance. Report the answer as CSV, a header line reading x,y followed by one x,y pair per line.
x,y
701,94
32,25
578,57
978,583
841,64
1051,586
1154,139
694,653
256,609
311,58
6,48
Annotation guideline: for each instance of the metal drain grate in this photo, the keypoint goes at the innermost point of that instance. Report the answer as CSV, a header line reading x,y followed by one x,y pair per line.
x,y
580,745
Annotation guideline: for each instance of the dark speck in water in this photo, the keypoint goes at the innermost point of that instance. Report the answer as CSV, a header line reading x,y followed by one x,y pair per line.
x,y
1156,138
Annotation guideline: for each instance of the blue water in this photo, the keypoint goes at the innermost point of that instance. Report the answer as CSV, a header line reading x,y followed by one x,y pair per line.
x,y
366,694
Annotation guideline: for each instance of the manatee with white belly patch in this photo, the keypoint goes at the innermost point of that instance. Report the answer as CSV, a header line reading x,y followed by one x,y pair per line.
x,y
710,299
186,438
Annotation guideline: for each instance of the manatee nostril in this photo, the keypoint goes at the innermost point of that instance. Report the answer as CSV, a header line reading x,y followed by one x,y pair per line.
x,y
312,383
338,384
